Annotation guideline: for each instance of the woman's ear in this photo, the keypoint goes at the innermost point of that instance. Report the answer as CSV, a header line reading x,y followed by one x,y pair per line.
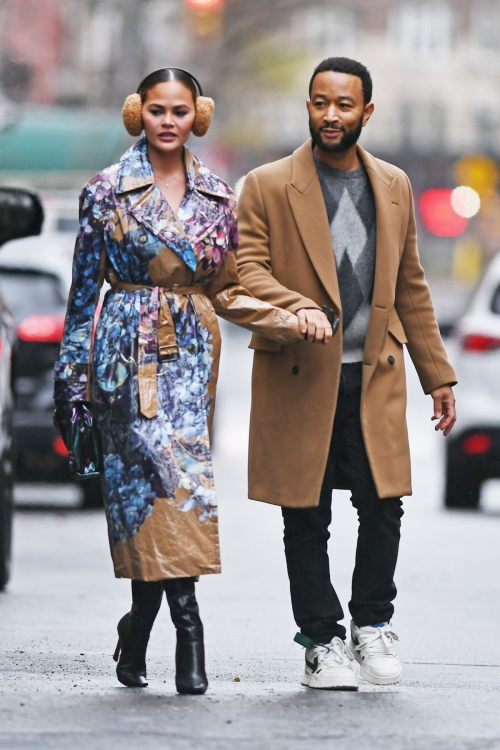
x,y
132,114
204,113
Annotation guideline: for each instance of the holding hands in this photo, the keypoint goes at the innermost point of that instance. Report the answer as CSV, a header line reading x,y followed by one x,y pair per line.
x,y
314,325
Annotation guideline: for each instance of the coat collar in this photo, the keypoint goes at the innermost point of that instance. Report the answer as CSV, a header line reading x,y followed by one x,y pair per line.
x,y
135,172
308,206
304,168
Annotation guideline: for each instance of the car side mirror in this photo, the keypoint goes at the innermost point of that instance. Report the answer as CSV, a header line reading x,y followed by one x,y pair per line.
x,y
21,214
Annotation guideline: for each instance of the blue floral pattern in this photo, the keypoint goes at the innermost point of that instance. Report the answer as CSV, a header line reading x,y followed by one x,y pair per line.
x,y
155,356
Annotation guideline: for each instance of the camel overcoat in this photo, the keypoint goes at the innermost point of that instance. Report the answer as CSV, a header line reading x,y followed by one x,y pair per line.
x,y
285,257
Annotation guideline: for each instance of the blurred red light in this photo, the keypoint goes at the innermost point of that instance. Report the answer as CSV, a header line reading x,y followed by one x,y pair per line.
x,y
59,447
477,444
46,328
439,215
480,342
204,4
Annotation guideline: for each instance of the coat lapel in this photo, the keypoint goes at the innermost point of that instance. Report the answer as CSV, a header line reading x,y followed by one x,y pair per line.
x,y
308,207
387,196
306,201
198,216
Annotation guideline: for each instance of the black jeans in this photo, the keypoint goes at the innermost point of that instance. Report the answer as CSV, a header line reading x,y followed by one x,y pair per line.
x,y
315,604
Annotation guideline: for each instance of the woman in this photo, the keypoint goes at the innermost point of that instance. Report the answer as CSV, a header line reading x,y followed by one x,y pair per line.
x,y
161,228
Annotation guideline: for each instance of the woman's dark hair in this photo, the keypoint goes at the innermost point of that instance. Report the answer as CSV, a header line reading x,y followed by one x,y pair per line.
x,y
346,65
169,74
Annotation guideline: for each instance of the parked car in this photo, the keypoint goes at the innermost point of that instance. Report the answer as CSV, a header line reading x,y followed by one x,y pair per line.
x,y
21,215
35,278
473,448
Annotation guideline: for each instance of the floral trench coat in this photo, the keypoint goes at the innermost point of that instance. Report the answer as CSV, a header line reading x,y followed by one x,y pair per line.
x,y
155,355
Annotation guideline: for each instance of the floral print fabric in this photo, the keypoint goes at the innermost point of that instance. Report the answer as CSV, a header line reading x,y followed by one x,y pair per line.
x,y
155,355
123,213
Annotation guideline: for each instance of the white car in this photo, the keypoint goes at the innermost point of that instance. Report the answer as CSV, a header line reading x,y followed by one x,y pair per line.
x,y
473,448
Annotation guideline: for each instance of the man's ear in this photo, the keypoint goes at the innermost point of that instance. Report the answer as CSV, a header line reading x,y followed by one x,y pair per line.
x,y
308,104
368,112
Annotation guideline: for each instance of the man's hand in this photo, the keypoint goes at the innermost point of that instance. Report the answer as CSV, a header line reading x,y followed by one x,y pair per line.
x,y
314,325
444,409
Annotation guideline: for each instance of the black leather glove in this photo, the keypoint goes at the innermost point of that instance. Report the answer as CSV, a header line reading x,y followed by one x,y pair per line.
x,y
62,418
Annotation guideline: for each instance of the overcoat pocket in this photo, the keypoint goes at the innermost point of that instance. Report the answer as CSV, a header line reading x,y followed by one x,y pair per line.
x,y
261,344
398,332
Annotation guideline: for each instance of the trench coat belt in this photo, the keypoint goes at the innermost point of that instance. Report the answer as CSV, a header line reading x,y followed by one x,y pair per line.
x,y
156,337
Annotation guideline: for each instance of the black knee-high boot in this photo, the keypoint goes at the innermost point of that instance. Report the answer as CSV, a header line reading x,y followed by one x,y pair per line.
x,y
133,633
190,676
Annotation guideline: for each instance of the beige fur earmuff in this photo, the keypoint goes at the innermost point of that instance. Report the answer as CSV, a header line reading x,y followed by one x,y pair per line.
x,y
204,112
132,115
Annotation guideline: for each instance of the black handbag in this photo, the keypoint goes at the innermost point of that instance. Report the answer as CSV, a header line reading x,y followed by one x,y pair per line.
x,y
81,436
77,424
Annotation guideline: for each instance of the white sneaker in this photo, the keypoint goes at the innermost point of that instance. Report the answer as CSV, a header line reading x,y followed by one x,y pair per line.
x,y
373,648
328,667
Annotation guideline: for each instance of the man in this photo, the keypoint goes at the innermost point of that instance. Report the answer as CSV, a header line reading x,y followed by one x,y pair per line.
x,y
329,233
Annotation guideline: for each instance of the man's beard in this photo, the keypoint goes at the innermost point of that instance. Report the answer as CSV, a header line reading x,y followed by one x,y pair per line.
x,y
348,139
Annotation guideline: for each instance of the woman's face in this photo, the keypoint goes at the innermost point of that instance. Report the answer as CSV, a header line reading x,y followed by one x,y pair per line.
x,y
168,114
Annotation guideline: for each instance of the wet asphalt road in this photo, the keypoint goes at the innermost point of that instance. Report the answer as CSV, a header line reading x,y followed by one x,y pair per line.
x,y
58,619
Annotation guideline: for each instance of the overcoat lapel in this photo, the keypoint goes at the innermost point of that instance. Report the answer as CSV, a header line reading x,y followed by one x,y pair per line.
x,y
386,193
308,207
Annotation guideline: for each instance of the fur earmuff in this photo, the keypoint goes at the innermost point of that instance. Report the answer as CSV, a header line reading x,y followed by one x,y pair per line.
x,y
204,112
132,114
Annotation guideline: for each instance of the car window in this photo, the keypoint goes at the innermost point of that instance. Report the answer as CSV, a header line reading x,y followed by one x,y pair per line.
x,y
67,224
30,293
495,302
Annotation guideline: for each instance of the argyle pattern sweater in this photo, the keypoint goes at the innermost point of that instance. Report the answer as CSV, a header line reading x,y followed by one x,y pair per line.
x,y
351,214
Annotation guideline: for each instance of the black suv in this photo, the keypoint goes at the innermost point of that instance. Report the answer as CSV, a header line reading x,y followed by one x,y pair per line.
x,y
35,277
21,215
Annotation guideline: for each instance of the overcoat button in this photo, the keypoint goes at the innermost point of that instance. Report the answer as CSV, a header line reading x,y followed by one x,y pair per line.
x,y
391,359
295,370
143,239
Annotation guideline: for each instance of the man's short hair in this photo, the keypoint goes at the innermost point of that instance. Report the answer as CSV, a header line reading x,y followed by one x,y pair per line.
x,y
346,65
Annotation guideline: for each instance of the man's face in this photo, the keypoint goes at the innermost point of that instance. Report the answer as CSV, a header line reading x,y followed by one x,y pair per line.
x,y
337,112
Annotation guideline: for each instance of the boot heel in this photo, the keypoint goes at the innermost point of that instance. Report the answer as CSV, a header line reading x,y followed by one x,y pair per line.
x,y
116,655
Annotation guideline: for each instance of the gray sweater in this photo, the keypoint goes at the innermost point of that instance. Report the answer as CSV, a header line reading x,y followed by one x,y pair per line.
x,y
351,213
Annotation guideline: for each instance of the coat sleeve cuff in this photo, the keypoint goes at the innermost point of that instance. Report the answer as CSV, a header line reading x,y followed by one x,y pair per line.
x,y
71,381
445,376
302,305
429,390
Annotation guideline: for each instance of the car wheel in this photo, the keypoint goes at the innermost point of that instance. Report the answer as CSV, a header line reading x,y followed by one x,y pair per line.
x,y
92,493
6,515
462,486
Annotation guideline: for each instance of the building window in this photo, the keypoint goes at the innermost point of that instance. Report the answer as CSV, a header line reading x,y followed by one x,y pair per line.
x,y
423,31
488,130
485,39
329,32
423,127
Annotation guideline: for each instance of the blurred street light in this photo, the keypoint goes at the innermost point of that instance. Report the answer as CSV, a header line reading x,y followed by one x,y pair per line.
x,y
205,17
465,201
440,218
477,171
204,4
467,260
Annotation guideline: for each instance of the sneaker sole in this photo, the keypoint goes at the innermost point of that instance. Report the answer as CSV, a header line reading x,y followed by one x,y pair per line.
x,y
375,680
346,684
